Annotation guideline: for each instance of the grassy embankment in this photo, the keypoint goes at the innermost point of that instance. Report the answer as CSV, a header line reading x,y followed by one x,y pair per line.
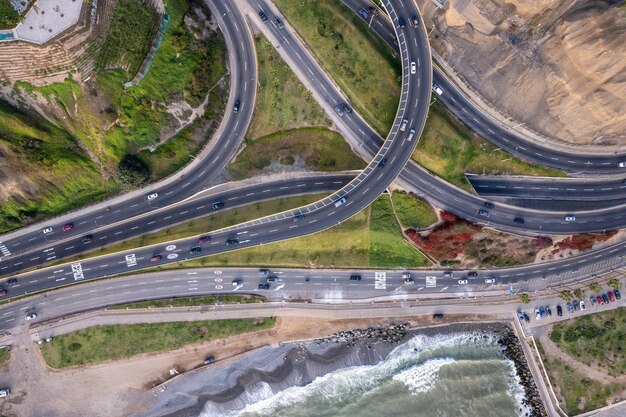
x,y
595,340
412,211
4,356
358,60
109,122
102,343
193,301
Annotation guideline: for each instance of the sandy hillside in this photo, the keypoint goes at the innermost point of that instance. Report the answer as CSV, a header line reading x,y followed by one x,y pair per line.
x,y
557,65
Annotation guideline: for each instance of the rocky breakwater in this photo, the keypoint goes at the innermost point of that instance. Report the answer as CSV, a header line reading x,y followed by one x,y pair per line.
x,y
370,336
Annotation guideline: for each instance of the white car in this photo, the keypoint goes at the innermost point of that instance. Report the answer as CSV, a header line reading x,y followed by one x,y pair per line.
x,y
413,68
411,135
622,164
31,316
463,282
490,281
47,230
437,89
152,196
537,314
582,305
4,392
570,218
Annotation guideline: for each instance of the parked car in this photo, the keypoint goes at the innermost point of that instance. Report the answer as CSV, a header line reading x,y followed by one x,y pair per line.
x,y
542,311
570,308
4,392
526,318
537,314
438,316
559,311
611,296
576,305
605,299
594,303
600,300
548,311
209,360
617,294
582,305
520,315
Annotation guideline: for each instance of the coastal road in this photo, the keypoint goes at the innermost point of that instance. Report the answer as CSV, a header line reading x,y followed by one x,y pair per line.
x,y
576,163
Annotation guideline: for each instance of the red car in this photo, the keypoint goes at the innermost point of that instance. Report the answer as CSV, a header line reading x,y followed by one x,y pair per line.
x,y
611,296
155,258
68,227
204,239
3,291
600,300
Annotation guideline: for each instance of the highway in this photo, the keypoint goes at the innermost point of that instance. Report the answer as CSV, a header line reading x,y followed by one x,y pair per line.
x,y
464,109
319,286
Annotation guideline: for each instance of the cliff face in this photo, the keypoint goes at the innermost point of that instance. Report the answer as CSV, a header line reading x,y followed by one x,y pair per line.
x,y
557,65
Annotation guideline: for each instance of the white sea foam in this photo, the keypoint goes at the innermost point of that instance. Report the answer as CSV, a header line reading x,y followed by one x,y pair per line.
x,y
516,390
421,378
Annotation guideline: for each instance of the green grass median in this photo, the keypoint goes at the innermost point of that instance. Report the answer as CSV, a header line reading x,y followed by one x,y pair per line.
x,y
102,343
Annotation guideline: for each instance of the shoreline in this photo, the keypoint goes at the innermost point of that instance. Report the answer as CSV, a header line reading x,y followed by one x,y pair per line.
x,y
298,363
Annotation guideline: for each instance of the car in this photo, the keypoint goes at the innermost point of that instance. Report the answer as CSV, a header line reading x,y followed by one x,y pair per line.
x,y
355,277
622,164
47,230
542,311
414,21
570,218
594,303
3,292
264,272
489,205
605,298
373,10
520,315
559,311
279,23
617,294
583,307
87,238
364,13
338,110
576,305
48,339
263,16
448,274
600,300
548,311
413,68
347,108
264,286
462,282
401,23
437,89
204,239
218,205
472,274
406,275
484,213
209,360
411,135
611,296
237,282
518,220
382,163
195,250
271,279
340,202
526,318
570,308
152,196
232,241
490,281
438,316
404,124
4,392
236,106
68,226
31,316
409,281
298,217
12,281
156,257
537,314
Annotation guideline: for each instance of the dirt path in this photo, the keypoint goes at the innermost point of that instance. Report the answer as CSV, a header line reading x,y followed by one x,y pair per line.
x,y
118,388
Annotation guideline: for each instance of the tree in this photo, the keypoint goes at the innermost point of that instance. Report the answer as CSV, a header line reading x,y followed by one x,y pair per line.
x,y
132,172
595,287
579,293
566,295
524,297
614,282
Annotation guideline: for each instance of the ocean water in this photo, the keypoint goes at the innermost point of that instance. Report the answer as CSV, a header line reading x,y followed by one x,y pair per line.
x,y
453,375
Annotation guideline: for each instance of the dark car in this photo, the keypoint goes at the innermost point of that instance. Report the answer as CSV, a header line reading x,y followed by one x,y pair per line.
x,y
156,258
347,108
263,16
520,315
414,21
489,205
195,250
542,311
264,286
526,318
548,311
559,311
272,279
232,241
438,316
617,294
209,360
12,281
382,163
576,305
87,238
68,227
204,239
472,274
605,299
611,296
298,217
355,277
279,23
518,220
264,272
218,205
236,106
364,13
401,23
338,110
484,213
